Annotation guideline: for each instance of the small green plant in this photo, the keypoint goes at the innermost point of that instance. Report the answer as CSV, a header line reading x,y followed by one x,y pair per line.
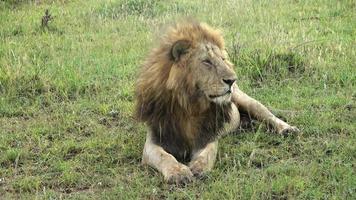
x,y
46,18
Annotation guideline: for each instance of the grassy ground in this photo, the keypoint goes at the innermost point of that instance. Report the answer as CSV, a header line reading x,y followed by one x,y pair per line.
x,y
66,99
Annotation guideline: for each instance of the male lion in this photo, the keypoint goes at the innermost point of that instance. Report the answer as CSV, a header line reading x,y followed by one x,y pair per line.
x,y
187,95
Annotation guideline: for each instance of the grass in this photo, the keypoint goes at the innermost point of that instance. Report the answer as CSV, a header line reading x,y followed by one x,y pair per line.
x,y
66,99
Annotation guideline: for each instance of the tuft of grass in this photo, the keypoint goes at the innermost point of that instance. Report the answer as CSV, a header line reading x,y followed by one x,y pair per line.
x,y
272,67
123,9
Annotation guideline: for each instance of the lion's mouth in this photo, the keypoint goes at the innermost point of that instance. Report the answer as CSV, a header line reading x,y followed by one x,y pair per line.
x,y
219,95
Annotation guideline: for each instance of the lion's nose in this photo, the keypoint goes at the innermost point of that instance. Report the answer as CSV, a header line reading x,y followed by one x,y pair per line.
x,y
229,81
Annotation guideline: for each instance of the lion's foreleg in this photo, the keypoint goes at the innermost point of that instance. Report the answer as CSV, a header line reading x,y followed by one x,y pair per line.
x,y
203,159
259,111
157,157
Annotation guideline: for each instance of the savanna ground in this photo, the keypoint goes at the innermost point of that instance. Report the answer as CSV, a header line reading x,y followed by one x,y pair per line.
x,y
66,99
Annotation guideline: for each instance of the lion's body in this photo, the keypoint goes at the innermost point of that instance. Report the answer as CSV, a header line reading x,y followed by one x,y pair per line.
x,y
178,119
187,96
179,134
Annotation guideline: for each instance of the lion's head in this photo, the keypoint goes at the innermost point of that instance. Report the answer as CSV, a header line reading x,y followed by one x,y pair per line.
x,y
188,71
208,68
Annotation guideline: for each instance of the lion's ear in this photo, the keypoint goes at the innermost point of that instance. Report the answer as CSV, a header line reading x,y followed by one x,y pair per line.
x,y
179,48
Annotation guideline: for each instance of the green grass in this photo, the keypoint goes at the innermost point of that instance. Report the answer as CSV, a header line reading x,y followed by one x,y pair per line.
x,y
66,99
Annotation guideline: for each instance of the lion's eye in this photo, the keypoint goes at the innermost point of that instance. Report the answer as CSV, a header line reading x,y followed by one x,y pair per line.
x,y
207,62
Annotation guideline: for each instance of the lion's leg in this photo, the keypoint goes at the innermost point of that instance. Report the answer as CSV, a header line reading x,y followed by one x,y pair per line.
x,y
203,159
259,111
157,157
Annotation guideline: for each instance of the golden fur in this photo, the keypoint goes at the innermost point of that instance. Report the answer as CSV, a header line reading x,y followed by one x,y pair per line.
x,y
157,75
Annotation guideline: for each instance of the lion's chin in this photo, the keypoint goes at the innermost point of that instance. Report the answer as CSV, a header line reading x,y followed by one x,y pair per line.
x,y
225,99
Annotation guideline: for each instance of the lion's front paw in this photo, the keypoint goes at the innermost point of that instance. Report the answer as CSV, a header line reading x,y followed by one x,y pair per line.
x,y
179,175
288,130
198,169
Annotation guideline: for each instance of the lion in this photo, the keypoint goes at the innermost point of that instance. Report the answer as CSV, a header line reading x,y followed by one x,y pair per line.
x,y
187,94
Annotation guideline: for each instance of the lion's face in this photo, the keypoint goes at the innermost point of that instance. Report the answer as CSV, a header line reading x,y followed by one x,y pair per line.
x,y
212,72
